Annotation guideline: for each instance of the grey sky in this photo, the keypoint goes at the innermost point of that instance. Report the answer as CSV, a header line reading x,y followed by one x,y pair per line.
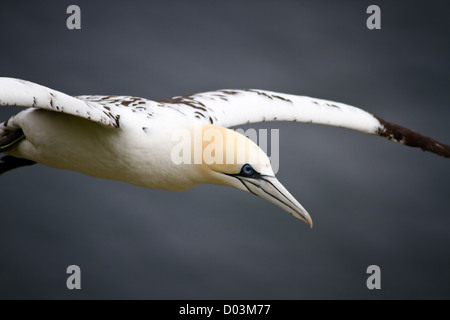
x,y
372,201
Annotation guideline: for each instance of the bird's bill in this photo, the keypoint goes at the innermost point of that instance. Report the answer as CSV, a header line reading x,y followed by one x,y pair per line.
x,y
272,190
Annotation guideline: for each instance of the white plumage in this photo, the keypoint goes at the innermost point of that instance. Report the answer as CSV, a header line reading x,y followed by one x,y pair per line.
x,y
130,139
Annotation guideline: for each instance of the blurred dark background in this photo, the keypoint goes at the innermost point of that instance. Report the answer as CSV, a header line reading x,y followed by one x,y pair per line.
x,y
372,201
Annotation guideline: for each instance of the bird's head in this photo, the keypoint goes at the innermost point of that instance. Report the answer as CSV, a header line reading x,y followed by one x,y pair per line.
x,y
226,157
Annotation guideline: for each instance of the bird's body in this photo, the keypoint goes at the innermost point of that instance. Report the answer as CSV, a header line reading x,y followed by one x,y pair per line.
x,y
66,142
132,139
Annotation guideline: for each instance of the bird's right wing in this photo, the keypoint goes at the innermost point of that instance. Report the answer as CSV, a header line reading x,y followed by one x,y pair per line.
x,y
234,107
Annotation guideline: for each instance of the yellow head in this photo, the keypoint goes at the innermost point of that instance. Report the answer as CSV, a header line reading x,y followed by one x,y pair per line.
x,y
225,157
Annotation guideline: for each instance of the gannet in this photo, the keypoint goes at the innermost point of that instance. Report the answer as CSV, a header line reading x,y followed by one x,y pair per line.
x,y
130,139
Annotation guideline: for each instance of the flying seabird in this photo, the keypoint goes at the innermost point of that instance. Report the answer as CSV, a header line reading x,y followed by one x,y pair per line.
x,y
131,139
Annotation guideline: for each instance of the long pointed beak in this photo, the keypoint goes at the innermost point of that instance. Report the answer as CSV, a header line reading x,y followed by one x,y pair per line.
x,y
272,190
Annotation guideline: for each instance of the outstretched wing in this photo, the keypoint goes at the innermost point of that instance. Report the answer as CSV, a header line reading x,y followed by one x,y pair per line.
x,y
223,107
236,107
106,110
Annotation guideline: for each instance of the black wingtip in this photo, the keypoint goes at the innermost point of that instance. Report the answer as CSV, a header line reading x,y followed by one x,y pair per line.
x,y
408,137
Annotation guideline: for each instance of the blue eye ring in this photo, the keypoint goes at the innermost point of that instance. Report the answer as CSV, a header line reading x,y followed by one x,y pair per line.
x,y
247,170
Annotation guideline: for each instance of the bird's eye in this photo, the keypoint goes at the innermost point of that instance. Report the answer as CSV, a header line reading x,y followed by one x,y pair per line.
x,y
247,170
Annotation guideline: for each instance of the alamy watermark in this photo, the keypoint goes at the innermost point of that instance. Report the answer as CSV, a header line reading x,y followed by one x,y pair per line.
x,y
374,280
74,20
215,145
74,280
374,20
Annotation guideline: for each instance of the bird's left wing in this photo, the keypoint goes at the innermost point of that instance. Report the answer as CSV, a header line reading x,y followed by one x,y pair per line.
x,y
105,110
234,107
